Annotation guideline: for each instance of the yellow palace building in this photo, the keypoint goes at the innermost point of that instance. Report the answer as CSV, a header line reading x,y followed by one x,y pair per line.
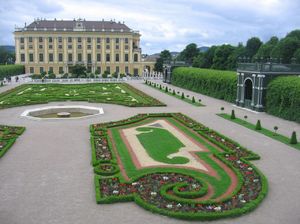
x,y
56,45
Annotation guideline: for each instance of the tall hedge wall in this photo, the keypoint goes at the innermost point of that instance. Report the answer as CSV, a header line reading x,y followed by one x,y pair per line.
x,y
215,83
10,70
283,98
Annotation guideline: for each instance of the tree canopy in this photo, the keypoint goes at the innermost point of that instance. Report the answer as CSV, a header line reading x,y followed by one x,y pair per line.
x,y
225,56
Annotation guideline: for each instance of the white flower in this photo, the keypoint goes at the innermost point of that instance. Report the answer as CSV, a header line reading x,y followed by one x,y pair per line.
x,y
153,193
169,206
165,178
217,208
115,192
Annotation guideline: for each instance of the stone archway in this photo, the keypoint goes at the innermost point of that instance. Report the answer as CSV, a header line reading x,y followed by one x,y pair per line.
x,y
248,92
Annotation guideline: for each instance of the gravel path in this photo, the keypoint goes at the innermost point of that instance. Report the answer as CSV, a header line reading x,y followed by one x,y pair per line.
x,y
46,177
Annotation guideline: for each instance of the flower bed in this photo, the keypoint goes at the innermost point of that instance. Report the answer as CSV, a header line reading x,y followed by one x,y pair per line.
x,y
8,135
176,192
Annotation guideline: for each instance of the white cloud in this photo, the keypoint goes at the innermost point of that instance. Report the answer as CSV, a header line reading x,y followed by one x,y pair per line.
x,y
164,24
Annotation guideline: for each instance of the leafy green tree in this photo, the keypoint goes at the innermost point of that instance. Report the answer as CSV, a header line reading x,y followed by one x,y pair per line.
x,y
286,49
265,49
221,57
297,56
165,55
6,57
190,52
252,46
78,70
159,65
239,51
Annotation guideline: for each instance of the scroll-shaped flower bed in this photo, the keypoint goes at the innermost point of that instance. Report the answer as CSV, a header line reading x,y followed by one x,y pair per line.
x,y
216,179
8,136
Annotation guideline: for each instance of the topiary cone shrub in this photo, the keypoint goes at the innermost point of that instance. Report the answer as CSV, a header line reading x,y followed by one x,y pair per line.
x,y
159,86
174,92
232,115
293,138
166,89
258,125
182,96
193,100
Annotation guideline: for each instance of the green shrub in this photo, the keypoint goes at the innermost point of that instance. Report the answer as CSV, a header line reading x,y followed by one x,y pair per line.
x,y
294,138
182,95
65,76
193,99
7,71
174,92
215,83
258,125
51,76
283,98
232,114
166,89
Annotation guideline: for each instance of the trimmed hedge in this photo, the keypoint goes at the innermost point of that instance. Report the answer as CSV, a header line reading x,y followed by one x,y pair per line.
x,y
10,70
283,98
214,83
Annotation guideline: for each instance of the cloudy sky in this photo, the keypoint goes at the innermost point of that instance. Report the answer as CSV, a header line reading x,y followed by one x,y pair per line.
x,y
165,24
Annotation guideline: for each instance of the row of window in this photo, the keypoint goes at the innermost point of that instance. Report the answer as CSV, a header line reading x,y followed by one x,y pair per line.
x,y
70,46
89,69
79,39
79,57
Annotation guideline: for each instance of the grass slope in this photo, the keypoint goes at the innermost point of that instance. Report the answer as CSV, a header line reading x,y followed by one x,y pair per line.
x,y
263,131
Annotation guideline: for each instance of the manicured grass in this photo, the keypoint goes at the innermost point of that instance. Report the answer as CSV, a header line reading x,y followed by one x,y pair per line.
x,y
185,99
115,93
8,136
263,131
159,150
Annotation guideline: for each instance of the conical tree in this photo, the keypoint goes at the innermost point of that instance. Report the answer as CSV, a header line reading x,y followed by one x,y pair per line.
x,y
166,89
182,96
258,125
193,99
293,138
174,92
232,115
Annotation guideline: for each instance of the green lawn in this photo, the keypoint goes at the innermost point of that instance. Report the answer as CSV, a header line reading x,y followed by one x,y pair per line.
x,y
115,93
264,131
159,150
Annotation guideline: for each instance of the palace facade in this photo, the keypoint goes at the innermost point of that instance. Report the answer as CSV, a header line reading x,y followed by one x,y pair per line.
x,y
56,45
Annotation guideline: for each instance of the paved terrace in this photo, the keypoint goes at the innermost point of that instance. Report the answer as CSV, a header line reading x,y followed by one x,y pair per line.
x,y
46,177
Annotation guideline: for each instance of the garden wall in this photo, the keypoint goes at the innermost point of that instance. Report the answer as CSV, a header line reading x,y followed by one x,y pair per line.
x,y
283,98
10,70
215,83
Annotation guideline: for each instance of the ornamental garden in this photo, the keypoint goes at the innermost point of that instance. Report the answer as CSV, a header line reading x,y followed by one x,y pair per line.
x,y
172,165
167,163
